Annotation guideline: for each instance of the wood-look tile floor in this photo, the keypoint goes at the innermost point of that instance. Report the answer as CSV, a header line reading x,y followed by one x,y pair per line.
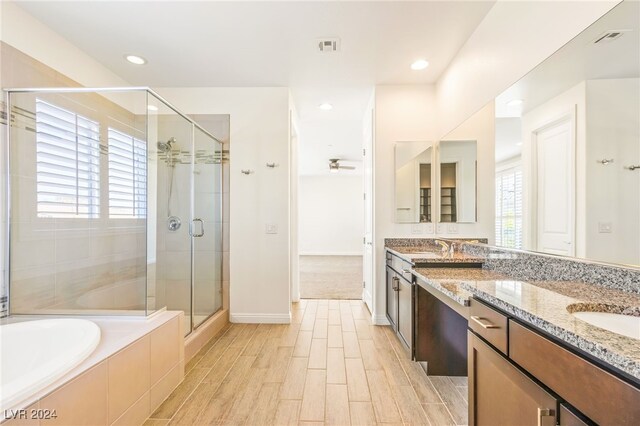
x,y
330,366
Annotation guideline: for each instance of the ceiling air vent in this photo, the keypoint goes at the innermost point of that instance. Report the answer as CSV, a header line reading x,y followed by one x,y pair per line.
x,y
328,45
609,36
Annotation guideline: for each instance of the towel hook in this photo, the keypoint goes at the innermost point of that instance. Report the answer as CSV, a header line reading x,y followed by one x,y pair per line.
x,y
246,171
605,161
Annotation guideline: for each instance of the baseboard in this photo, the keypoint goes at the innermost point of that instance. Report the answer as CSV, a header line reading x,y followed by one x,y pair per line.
x,y
380,320
261,318
333,253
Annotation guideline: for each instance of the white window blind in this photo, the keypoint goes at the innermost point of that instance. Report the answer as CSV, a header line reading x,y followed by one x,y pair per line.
x,y
67,163
509,208
127,175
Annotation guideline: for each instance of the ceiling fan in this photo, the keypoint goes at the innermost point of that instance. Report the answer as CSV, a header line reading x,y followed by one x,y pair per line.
x,y
334,165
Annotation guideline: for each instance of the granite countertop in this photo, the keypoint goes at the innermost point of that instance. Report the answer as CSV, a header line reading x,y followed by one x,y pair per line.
x,y
432,254
449,280
547,305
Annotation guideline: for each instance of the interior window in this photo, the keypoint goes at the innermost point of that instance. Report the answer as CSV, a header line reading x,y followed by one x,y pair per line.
x,y
509,208
67,163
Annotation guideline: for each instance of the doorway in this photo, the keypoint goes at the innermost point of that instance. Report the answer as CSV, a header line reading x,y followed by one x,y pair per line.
x,y
554,171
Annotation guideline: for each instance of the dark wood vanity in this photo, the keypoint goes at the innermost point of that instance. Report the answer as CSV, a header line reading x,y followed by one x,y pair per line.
x,y
430,326
520,376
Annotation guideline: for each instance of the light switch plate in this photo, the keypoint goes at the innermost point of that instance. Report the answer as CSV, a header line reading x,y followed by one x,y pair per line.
x,y
440,228
429,228
605,227
416,228
271,228
452,228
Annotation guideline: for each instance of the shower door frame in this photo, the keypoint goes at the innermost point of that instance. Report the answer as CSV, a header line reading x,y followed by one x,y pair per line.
x,y
8,92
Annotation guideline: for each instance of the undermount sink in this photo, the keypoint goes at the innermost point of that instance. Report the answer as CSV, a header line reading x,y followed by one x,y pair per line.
x,y
625,325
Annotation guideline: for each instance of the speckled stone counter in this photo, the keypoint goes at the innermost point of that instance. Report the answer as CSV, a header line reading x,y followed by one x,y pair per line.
x,y
547,306
432,254
449,280
543,291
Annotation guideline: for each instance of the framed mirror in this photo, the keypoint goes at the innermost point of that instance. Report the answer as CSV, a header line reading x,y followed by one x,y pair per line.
x,y
413,182
457,178
568,147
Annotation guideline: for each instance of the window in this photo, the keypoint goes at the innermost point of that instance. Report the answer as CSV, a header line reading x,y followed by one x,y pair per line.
x,y
509,208
127,175
67,163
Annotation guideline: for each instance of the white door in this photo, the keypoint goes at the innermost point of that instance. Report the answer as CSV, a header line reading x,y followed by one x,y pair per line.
x,y
555,179
368,252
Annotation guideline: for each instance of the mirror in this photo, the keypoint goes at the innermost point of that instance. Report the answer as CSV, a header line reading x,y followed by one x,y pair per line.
x,y
568,147
413,178
457,177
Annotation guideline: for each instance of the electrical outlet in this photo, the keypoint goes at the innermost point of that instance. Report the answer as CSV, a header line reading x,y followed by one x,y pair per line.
x,y
452,228
271,228
440,228
429,228
605,227
416,229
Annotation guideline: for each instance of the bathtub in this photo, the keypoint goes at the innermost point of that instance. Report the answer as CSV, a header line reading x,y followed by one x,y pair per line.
x,y
34,354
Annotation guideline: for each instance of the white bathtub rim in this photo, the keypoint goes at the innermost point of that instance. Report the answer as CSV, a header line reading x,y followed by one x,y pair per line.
x,y
40,381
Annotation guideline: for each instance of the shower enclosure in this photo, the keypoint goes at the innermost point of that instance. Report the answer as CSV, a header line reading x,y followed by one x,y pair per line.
x,y
114,205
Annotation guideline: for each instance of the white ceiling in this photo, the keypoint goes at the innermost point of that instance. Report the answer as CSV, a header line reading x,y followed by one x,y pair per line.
x,y
267,43
580,60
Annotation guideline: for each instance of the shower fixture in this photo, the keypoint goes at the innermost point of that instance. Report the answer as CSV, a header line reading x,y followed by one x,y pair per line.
x,y
166,146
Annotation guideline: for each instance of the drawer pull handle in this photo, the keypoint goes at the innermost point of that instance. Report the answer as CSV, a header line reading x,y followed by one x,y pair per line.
x,y
545,412
483,322
406,271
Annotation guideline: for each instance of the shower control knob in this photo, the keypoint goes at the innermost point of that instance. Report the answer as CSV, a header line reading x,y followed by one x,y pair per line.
x,y
173,223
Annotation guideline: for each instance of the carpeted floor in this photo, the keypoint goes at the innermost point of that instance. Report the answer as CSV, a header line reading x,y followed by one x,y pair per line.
x,y
331,277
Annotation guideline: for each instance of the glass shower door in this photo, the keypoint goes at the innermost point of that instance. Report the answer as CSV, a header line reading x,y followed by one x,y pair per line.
x,y
206,226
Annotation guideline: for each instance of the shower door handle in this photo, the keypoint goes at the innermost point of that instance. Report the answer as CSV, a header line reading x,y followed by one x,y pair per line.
x,y
191,228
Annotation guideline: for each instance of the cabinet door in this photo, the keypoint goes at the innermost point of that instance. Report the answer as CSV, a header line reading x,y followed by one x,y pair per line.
x,y
502,395
405,312
392,298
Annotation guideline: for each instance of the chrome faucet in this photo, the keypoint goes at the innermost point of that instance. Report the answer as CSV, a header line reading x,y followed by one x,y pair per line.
x,y
447,248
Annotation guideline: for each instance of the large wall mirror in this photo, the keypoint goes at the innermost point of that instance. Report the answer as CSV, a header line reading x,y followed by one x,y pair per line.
x,y
457,177
568,147
413,182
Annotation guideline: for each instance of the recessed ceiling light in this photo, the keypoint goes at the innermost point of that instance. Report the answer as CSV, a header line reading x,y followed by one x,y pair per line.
x,y
135,59
515,102
152,107
325,106
420,64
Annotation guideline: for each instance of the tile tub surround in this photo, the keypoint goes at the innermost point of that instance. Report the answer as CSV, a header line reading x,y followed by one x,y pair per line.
x,y
135,367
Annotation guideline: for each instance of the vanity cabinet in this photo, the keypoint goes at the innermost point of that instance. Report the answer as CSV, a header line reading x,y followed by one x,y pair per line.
x,y
519,376
400,295
502,394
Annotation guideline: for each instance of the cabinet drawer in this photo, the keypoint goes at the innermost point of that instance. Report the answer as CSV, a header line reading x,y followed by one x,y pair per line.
x,y
488,323
402,267
596,393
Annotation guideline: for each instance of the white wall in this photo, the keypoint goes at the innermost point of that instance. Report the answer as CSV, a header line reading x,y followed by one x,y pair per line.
x,y
259,272
26,33
402,113
569,102
513,38
613,132
331,215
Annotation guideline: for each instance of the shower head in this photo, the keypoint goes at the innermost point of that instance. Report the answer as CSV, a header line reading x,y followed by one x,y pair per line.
x,y
166,146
